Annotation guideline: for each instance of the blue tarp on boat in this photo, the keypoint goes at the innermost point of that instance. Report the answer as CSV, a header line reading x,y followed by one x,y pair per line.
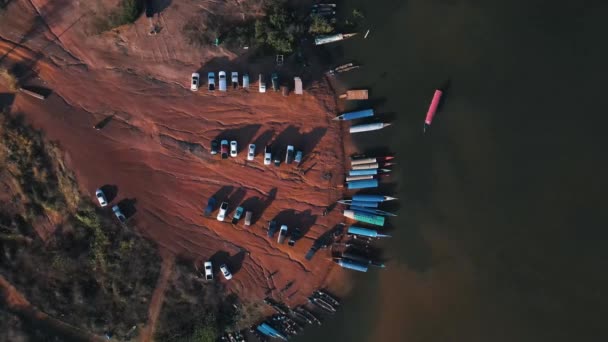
x,y
363,184
356,115
369,198
365,232
363,172
364,204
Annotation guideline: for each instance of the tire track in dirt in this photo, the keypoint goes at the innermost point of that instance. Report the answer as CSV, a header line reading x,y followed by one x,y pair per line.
x,y
158,297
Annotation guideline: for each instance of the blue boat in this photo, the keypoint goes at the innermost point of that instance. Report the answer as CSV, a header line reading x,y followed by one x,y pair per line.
x,y
355,115
267,330
371,211
362,184
372,198
351,264
364,204
365,232
363,172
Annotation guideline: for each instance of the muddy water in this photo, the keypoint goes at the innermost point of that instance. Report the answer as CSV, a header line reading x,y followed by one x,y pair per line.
x,y
502,232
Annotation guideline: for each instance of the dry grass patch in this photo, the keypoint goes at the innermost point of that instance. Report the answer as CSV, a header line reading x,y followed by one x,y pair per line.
x,y
9,79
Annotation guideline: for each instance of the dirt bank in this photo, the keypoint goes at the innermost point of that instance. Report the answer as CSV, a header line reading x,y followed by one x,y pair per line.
x,y
154,151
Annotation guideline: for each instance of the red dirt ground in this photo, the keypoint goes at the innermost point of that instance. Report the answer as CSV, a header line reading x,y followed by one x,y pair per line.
x,y
155,148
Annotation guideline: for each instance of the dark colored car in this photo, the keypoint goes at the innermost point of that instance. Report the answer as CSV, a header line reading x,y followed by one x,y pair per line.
x,y
210,206
225,149
237,215
295,236
215,147
277,158
275,81
272,228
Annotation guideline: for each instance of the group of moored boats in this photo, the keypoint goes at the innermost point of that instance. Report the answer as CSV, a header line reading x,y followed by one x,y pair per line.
x,y
364,208
289,322
365,172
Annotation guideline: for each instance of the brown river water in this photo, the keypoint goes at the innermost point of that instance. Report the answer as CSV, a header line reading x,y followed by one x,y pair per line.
x,y
502,230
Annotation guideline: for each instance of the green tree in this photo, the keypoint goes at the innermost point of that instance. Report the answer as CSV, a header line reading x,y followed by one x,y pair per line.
x,y
319,25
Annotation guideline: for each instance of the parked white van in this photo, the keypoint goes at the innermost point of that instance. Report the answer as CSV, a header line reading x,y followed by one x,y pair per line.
x,y
222,80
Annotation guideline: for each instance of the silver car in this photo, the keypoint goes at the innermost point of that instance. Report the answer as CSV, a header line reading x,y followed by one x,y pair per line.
x,y
208,270
119,215
101,198
251,152
226,272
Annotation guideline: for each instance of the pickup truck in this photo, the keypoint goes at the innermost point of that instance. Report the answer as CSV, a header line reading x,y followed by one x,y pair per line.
x,y
211,81
210,206
289,154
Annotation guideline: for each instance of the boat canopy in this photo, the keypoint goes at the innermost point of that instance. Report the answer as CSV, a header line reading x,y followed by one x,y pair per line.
x,y
365,204
363,172
363,184
369,198
365,113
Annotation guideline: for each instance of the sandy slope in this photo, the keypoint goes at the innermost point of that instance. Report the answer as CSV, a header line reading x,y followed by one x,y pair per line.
x,y
154,151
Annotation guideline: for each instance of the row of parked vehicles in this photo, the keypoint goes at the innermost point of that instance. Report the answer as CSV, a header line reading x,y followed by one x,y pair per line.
x,y
195,81
103,201
209,271
225,148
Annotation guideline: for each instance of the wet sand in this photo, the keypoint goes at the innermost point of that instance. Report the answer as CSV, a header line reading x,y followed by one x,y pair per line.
x,y
153,153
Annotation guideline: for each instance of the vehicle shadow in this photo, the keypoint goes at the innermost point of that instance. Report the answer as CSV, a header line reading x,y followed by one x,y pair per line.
x,y
235,199
242,135
153,7
103,123
305,142
218,258
111,191
127,206
223,193
258,205
263,139
292,219
234,262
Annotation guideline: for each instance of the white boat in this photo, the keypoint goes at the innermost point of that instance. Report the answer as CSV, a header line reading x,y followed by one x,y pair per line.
x,y
368,127
320,40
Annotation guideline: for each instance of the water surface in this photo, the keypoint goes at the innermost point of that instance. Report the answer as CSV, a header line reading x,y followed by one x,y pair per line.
x,y
502,229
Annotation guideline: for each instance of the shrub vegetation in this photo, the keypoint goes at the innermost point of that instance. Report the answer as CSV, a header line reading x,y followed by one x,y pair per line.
x,y
127,12
90,272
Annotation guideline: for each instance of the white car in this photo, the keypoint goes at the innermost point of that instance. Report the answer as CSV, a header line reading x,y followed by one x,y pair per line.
x,y
226,272
222,214
194,82
233,148
222,75
119,215
208,270
267,155
262,83
251,153
101,198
